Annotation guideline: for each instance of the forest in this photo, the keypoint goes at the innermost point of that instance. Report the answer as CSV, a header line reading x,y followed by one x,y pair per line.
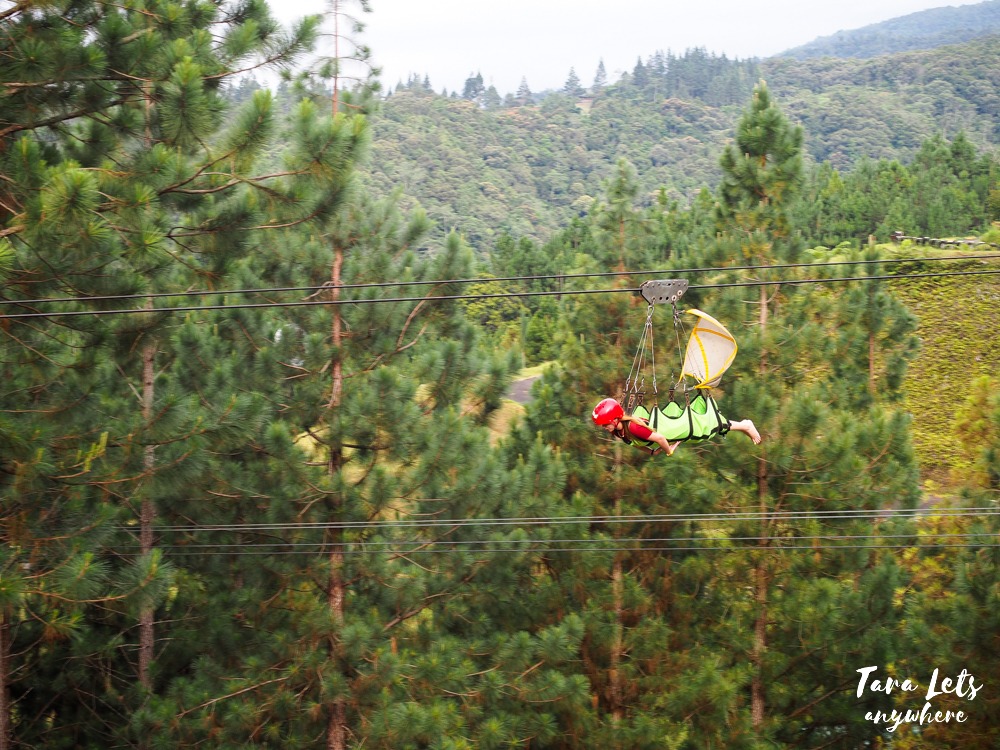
x,y
527,164
262,484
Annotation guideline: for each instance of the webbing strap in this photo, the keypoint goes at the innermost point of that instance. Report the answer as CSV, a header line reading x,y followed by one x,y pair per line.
x,y
636,381
680,349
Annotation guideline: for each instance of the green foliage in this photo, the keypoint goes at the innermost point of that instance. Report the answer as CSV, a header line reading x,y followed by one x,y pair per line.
x,y
944,192
499,316
948,363
762,172
976,424
130,185
342,552
530,170
950,610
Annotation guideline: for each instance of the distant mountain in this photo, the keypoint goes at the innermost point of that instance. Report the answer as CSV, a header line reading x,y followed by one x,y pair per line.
x,y
923,30
486,169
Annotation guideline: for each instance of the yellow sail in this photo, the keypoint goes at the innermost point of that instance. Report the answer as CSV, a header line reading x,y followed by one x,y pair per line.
x,y
710,351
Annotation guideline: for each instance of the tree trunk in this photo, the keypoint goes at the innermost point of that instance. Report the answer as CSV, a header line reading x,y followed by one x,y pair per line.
x,y
621,244
614,677
337,336
336,729
614,667
871,362
335,12
147,512
615,689
757,707
5,705
757,704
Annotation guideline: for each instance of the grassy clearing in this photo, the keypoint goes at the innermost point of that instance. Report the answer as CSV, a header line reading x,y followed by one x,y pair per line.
x,y
959,332
531,372
504,419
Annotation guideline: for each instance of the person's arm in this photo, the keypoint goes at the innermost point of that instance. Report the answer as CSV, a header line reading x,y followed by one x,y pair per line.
x,y
643,431
666,445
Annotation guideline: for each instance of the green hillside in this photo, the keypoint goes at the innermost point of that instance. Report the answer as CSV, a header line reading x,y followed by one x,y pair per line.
x,y
527,168
885,107
959,331
917,31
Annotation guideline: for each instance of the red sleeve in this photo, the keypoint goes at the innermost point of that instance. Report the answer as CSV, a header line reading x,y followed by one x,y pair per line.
x,y
640,430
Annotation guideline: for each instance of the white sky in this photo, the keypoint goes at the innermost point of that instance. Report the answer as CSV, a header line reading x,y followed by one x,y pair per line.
x,y
540,40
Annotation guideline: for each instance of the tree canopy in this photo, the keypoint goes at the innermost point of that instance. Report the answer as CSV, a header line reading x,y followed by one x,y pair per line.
x,y
261,483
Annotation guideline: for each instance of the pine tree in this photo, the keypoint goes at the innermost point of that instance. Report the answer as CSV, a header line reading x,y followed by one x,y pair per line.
x,y
619,218
976,427
491,99
827,429
572,86
640,75
600,78
762,170
473,88
523,95
130,187
348,60
406,443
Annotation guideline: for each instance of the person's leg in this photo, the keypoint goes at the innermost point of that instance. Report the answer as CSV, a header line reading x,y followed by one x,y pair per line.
x,y
747,428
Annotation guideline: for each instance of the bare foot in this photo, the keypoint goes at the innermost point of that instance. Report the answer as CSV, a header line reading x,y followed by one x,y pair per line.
x,y
745,425
751,430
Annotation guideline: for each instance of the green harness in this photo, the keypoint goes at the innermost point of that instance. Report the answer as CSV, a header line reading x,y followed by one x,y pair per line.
x,y
700,419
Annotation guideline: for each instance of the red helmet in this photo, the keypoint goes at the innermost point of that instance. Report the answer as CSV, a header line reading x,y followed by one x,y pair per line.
x,y
607,412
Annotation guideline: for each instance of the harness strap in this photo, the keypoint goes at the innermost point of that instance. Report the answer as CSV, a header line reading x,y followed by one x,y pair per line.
x,y
629,439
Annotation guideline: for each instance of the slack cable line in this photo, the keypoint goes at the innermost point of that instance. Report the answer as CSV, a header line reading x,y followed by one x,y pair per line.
x,y
584,543
496,295
484,280
788,517
426,548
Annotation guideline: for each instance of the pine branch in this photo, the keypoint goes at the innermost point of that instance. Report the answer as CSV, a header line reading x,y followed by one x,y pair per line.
x,y
428,600
213,701
833,691
20,127
15,9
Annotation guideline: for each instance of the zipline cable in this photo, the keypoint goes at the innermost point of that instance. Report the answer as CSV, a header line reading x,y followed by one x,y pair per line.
x,y
430,548
497,295
586,542
729,517
406,547
484,280
885,514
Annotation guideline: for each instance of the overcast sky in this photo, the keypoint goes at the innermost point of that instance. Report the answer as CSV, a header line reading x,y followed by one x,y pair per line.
x,y
540,40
